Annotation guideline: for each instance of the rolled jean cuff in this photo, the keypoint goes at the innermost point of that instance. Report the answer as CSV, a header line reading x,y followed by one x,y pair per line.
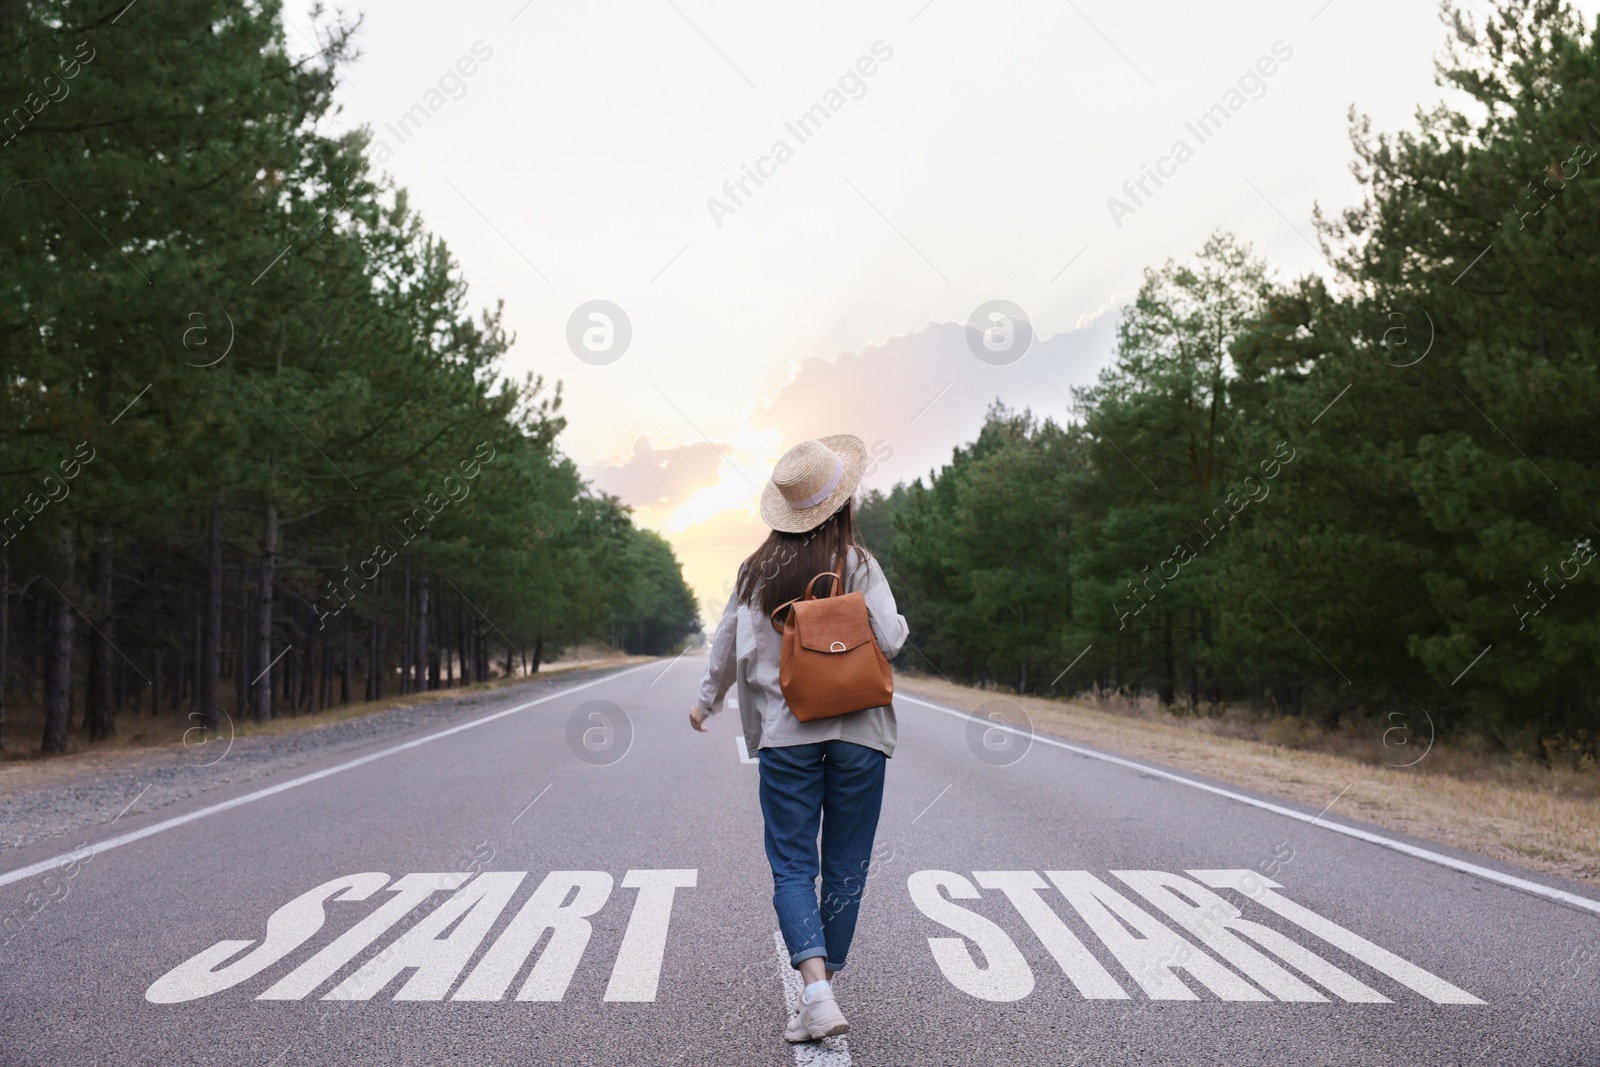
x,y
807,954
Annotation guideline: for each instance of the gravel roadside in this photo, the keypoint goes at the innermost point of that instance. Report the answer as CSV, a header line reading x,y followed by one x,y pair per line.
x,y
45,799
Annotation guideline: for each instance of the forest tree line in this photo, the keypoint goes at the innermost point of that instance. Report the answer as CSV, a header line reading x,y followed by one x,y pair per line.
x,y
257,453
1368,493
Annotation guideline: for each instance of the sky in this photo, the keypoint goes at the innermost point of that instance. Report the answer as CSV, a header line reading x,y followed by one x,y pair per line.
x,y
912,163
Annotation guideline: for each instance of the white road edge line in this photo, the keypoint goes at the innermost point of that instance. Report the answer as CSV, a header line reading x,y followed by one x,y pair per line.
x,y
830,1051
1349,831
744,750
155,828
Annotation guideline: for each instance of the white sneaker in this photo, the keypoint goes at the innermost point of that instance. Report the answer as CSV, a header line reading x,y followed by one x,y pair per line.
x,y
818,1018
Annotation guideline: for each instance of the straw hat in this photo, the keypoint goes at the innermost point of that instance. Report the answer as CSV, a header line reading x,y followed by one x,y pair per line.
x,y
811,481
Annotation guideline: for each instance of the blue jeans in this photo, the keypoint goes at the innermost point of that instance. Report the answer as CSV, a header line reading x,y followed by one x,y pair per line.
x,y
839,785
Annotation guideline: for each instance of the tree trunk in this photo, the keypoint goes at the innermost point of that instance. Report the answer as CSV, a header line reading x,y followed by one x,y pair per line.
x,y
344,672
5,637
97,720
405,635
209,668
290,672
244,665
34,674
307,671
58,688
1167,691
461,644
325,681
189,683
1194,666
446,650
436,653
422,636
269,566
155,682
371,643
375,667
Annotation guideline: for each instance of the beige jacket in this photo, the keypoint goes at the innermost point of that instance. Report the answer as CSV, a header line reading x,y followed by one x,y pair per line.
x,y
745,651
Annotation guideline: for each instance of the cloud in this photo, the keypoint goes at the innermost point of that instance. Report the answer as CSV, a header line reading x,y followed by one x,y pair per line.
x,y
1114,302
658,479
914,397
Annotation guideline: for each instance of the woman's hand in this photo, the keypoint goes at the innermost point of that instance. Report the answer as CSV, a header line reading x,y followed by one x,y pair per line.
x,y
697,718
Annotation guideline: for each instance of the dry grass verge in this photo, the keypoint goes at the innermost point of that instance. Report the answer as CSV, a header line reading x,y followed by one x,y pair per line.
x,y
1546,821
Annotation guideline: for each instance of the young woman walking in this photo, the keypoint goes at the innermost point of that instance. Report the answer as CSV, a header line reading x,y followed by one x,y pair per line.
x,y
827,772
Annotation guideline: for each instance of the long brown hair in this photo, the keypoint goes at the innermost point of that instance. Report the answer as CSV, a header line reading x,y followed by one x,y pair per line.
x,y
779,570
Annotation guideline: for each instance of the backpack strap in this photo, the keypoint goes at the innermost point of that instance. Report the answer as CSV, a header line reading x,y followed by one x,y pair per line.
x,y
837,589
776,625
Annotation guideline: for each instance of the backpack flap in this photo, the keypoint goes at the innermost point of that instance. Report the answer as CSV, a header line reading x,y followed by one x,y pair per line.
x,y
832,624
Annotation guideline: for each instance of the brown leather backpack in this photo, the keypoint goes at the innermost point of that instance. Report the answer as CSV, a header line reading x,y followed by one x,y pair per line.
x,y
831,663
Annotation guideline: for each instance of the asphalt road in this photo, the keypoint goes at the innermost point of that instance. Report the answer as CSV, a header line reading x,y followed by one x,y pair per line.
x,y
581,881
